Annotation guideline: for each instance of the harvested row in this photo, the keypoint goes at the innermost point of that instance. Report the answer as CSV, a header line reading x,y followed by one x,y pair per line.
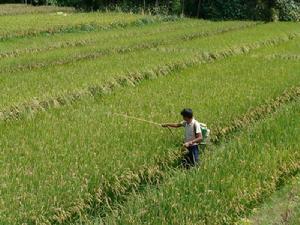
x,y
287,51
21,25
252,115
231,40
106,45
284,57
82,156
229,182
289,48
95,77
280,56
16,9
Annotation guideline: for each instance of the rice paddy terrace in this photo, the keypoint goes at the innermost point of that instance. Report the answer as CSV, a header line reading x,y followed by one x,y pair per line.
x,y
66,157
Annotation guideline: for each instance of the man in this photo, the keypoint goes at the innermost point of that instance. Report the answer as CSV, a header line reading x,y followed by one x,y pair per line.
x,y
193,136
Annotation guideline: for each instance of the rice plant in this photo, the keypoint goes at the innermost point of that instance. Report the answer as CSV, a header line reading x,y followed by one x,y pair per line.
x,y
230,182
57,162
98,44
83,76
65,155
17,46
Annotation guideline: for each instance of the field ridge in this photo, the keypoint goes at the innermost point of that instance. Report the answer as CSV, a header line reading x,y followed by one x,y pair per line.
x,y
134,78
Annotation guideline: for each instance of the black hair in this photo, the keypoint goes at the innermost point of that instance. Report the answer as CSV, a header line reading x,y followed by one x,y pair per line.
x,y
187,113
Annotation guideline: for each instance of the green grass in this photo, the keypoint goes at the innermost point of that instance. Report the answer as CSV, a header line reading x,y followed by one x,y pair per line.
x,y
21,25
296,216
80,76
56,160
230,181
280,208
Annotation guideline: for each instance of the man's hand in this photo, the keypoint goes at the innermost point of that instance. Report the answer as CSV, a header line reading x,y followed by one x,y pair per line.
x,y
188,144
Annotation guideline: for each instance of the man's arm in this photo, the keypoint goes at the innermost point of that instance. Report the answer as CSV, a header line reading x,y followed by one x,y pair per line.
x,y
173,125
198,139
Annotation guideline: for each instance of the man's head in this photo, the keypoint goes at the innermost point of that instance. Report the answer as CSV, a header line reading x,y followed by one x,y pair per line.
x,y
187,114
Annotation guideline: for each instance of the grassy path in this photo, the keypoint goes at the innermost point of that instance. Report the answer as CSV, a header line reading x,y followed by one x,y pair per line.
x,y
282,208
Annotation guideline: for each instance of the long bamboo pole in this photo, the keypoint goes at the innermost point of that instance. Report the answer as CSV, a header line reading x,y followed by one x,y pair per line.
x,y
141,120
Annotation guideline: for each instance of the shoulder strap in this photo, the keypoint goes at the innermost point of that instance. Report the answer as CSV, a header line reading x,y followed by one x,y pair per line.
x,y
194,125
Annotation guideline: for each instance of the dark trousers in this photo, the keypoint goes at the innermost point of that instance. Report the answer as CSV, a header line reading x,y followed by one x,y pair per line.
x,y
191,158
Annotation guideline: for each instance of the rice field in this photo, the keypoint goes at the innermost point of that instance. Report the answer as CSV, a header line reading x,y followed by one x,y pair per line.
x,y
67,157
230,181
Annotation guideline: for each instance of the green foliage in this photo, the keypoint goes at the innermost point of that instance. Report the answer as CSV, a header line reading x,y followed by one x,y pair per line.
x,y
289,10
269,10
221,9
176,7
